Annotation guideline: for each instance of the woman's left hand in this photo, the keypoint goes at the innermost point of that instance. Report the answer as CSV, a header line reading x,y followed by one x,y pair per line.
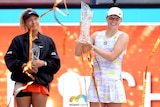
x,y
37,63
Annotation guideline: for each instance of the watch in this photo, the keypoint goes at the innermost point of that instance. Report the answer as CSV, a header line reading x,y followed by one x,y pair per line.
x,y
45,63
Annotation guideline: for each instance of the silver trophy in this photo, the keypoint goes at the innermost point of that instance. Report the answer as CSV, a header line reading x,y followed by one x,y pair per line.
x,y
35,52
86,18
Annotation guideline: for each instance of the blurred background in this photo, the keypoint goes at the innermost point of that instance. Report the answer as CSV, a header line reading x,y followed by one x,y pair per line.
x,y
76,3
141,21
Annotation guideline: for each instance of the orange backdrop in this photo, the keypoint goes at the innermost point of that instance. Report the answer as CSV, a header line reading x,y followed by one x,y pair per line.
x,y
142,39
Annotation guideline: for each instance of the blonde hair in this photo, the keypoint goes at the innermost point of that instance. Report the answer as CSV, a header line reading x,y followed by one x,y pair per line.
x,y
22,22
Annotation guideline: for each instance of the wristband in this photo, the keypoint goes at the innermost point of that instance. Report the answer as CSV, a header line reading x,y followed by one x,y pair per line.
x,y
92,48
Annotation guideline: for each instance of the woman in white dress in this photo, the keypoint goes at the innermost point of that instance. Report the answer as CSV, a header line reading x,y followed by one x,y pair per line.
x,y
109,47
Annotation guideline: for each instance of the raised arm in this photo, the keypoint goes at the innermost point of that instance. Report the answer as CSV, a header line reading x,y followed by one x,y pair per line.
x,y
84,44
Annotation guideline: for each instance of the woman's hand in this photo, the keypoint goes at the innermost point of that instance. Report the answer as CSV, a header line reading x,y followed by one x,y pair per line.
x,y
84,43
37,63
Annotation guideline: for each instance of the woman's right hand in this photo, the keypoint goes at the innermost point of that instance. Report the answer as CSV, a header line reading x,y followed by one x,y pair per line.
x,y
31,70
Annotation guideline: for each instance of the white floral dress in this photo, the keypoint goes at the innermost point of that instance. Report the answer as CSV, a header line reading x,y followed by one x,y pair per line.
x,y
107,74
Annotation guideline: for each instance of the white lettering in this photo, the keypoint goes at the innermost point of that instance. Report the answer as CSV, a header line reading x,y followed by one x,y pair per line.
x,y
130,79
148,95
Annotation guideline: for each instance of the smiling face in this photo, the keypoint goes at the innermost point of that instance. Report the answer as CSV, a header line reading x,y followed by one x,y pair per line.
x,y
113,21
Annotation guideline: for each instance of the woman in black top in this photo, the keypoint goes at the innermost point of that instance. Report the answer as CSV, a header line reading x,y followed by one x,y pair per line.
x,y
45,62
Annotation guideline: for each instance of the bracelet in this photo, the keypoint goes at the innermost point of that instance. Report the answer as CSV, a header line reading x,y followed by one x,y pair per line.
x,y
92,48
